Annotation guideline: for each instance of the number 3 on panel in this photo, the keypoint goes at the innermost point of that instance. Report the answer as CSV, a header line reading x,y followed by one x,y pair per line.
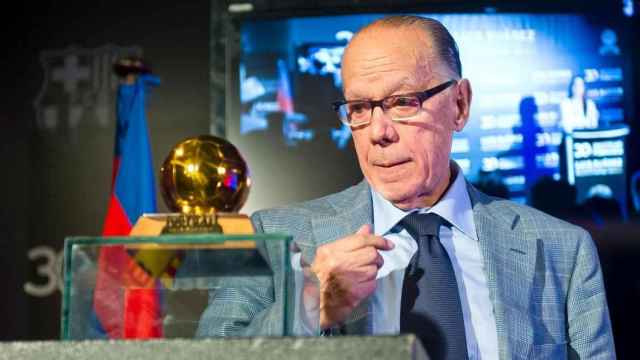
x,y
50,270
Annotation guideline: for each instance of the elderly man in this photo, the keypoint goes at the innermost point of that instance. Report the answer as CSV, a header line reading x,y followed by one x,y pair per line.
x,y
414,247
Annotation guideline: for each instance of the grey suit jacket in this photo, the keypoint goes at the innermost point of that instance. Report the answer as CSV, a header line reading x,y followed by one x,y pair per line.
x,y
543,275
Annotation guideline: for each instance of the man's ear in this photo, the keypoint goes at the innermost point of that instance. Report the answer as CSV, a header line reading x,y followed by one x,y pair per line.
x,y
463,103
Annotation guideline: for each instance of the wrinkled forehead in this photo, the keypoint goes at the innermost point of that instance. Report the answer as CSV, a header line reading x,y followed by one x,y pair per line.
x,y
396,54
383,40
406,34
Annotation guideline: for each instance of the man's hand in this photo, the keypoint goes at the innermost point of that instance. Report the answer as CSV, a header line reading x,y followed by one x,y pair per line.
x,y
346,270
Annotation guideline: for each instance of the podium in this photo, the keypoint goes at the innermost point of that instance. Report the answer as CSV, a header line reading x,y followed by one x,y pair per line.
x,y
594,161
264,348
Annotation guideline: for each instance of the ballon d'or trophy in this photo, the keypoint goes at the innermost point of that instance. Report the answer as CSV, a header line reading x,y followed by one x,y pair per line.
x,y
159,285
158,279
204,181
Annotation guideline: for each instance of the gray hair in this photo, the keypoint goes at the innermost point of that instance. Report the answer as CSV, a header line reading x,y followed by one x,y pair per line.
x,y
445,45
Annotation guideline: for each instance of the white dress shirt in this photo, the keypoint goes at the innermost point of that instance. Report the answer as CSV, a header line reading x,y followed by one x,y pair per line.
x,y
463,247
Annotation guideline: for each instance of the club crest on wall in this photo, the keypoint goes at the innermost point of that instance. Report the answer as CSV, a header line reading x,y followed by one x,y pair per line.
x,y
78,87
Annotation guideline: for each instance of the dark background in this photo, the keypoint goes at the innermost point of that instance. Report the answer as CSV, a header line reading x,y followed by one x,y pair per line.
x,y
56,183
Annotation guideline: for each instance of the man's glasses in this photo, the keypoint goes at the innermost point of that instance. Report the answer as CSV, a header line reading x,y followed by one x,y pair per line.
x,y
398,107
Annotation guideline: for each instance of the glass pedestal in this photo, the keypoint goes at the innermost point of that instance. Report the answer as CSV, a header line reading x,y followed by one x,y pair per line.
x,y
185,286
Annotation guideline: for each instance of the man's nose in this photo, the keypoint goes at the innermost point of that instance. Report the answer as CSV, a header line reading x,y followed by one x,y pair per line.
x,y
381,127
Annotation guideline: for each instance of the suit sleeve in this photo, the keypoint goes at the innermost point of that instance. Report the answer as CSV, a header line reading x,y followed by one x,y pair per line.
x,y
243,306
590,334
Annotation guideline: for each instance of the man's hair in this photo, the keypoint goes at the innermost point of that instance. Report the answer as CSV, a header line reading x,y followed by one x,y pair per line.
x,y
444,44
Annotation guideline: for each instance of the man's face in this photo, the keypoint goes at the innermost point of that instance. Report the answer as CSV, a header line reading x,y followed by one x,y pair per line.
x,y
406,162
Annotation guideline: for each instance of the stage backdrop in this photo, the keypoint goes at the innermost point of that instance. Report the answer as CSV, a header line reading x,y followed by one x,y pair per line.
x,y
520,67
58,125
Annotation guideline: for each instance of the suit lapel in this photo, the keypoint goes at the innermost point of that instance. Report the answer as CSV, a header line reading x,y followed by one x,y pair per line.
x,y
510,262
351,212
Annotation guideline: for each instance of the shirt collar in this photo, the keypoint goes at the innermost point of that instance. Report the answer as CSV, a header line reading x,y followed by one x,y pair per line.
x,y
454,206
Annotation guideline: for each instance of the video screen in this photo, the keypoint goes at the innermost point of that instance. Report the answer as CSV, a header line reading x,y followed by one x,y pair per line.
x,y
548,101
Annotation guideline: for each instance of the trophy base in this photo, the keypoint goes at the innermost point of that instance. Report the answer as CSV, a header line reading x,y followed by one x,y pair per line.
x,y
227,223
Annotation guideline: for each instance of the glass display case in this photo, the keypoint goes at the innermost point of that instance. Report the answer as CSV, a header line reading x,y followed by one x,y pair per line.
x,y
186,286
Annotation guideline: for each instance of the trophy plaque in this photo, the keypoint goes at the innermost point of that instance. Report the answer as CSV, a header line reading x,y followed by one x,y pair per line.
x,y
179,275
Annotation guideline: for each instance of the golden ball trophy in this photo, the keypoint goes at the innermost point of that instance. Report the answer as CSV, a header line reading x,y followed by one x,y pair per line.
x,y
204,181
157,281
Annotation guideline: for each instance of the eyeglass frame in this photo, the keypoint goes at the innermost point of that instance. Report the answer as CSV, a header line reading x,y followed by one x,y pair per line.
x,y
421,95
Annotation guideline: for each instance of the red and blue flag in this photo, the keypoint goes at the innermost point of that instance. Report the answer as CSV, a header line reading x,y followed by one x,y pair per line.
x,y
126,301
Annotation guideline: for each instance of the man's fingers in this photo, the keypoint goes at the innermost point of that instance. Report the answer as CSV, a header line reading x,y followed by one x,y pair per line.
x,y
363,256
379,261
369,273
359,241
377,242
364,230
368,256
362,238
388,245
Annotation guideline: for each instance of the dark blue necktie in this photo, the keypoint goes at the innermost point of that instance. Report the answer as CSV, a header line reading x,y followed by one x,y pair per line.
x,y
431,306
